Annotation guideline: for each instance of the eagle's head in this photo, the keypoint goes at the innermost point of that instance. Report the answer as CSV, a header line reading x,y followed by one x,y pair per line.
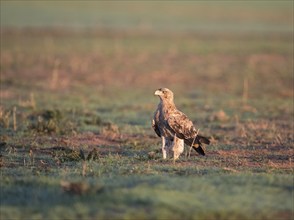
x,y
164,94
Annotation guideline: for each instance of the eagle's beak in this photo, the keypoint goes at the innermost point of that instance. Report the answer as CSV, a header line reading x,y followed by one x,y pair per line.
x,y
157,92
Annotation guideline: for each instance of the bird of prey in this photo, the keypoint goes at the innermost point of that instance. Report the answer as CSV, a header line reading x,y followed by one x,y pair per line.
x,y
174,127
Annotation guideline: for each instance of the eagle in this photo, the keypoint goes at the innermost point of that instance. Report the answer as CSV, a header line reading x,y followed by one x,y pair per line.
x,y
174,128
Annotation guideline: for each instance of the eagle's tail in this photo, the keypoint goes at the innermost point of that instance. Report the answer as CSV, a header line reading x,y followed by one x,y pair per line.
x,y
199,150
197,143
203,139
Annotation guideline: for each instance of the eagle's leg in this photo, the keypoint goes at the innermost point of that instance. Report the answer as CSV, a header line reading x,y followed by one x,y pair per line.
x,y
193,143
164,148
178,147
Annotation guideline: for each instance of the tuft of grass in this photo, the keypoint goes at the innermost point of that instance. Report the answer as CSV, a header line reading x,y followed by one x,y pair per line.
x,y
49,122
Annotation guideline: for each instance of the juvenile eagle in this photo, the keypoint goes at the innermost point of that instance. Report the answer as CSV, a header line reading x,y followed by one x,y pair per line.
x,y
174,127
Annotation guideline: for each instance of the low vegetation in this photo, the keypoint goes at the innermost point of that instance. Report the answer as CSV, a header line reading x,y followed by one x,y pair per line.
x,y
75,122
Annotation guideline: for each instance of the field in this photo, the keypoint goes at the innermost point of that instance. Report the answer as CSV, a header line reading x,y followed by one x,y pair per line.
x,y
77,99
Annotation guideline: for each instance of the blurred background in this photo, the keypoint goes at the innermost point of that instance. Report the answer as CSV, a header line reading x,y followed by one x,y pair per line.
x,y
174,16
123,50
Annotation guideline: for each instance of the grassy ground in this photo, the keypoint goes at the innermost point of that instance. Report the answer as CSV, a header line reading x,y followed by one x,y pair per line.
x,y
76,108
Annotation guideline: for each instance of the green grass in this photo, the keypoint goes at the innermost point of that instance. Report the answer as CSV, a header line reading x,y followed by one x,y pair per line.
x,y
213,195
89,86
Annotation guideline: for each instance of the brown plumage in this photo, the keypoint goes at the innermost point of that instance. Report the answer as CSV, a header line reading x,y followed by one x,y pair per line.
x,y
174,127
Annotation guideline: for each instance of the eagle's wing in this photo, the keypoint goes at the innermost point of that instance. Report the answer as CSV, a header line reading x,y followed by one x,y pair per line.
x,y
155,121
184,129
181,125
156,128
